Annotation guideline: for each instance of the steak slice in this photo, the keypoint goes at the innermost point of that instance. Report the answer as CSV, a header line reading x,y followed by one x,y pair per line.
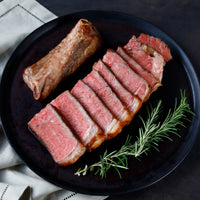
x,y
151,80
157,44
108,96
80,122
97,110
50,129
132,81
152,61
132,102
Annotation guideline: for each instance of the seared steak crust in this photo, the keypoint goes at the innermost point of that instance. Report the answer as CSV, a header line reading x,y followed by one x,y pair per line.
x,y
44,76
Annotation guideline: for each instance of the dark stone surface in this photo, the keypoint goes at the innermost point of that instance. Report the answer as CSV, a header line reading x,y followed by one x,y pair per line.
x,y
181,20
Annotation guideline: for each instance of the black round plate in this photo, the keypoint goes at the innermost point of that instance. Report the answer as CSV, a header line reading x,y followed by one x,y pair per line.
x,y
18,106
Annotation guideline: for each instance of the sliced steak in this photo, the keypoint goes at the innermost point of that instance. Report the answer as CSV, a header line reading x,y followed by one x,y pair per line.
x,y
153,62
97,110
95,81
80,122
50,129
103,102
132,81
157,44
132,102
151,80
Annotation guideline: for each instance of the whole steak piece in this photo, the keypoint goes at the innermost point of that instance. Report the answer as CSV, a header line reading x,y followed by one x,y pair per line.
x,y
44,76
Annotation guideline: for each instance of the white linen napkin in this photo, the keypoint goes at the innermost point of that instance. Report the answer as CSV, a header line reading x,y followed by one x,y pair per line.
x,y
17,19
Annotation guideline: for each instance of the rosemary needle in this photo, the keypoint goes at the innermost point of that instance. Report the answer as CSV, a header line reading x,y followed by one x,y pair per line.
x,y
150,134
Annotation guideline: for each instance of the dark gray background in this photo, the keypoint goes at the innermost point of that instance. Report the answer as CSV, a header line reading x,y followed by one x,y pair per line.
x,y
180,19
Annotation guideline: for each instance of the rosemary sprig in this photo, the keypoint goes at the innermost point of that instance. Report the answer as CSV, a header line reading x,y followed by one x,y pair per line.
x,y
149,137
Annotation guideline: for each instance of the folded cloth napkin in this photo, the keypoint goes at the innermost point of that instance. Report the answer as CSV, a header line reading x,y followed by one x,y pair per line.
x,y
17,19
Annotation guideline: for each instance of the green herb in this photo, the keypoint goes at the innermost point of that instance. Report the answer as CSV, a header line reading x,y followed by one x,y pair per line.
x,y
152,132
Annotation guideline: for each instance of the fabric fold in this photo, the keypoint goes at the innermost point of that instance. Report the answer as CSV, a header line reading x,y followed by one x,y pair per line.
x,y
13,192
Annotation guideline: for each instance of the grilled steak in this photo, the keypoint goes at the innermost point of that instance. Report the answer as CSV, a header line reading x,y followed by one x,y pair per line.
x,y
108,96
100,105
152,61
132,102
50,129
156,44
151,80
97,110
132,81
80,122
44,76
